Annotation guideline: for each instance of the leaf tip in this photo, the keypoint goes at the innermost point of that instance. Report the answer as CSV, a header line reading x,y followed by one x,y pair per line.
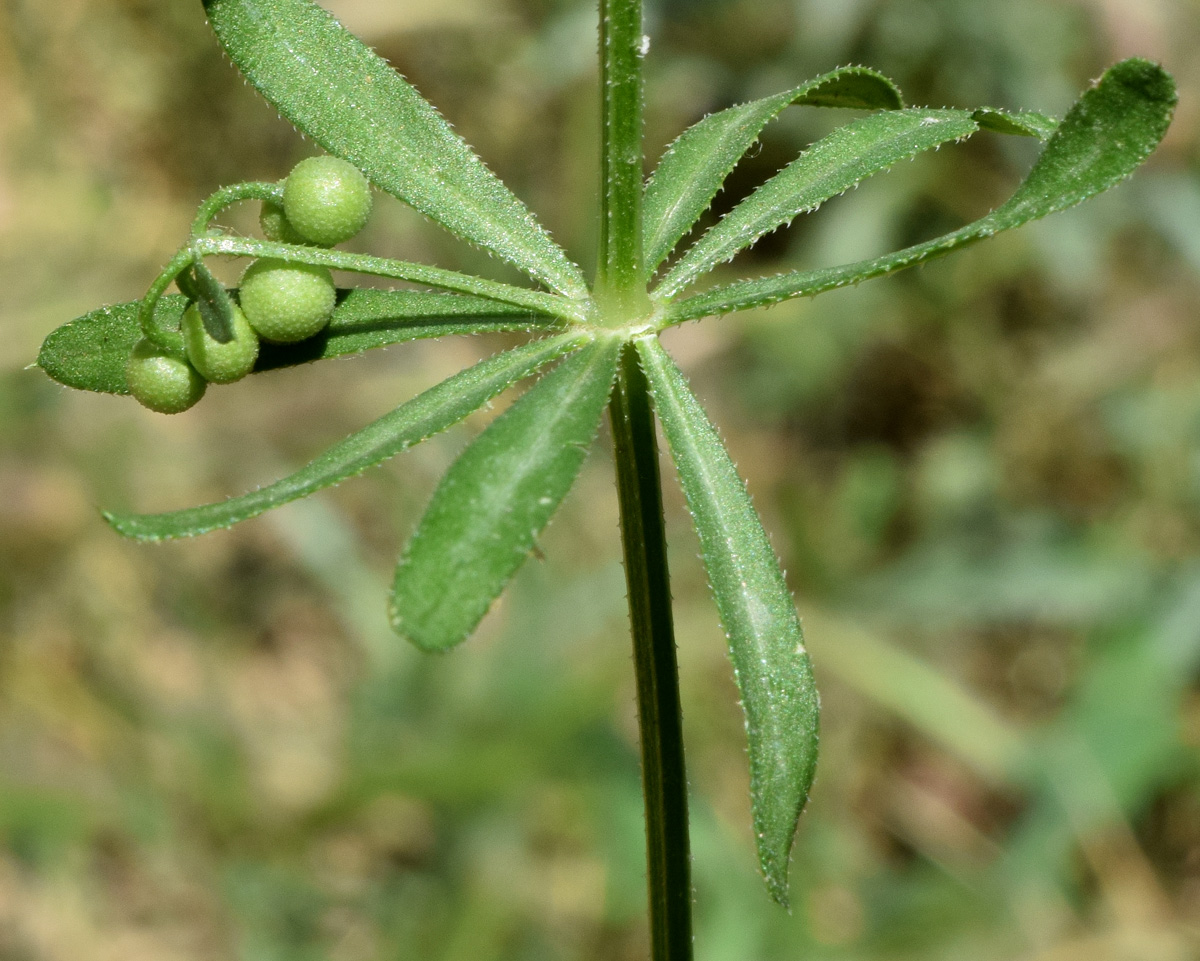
x,y
410,628
1147,77
777,885
119,523
404,629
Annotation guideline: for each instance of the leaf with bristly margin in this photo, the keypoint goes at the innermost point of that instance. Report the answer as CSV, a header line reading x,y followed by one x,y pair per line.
x,y
90,352
766,644
1109,132
1021,123
486,514
336,90
693,168
831,166
425,415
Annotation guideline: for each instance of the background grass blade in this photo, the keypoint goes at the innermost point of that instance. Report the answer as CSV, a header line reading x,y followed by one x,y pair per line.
x,y
423,416
1109,132
693,168
351,102
89,353
829,167
489,507
766,644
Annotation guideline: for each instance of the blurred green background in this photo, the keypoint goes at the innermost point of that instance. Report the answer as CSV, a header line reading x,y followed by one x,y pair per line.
x,y
983,477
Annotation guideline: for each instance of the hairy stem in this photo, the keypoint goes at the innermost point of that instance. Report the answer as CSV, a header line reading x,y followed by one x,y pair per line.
x,y
620,286
553,305
664,780
228,196
170,340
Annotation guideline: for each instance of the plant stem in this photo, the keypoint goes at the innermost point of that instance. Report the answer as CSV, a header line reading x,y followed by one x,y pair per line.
x,y
170,340
620,286
227,196
553,305
664,780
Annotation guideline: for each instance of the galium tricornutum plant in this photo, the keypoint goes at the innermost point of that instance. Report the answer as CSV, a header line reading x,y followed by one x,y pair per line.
x,y
594,346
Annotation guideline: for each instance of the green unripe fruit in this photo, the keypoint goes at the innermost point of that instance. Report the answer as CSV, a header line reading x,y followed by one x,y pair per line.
x,y
275,226
326,200
160,381
220,363
287,302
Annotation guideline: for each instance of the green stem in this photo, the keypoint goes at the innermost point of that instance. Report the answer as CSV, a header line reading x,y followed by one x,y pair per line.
x,y
538,301
620,287
228,196
170,340
664,780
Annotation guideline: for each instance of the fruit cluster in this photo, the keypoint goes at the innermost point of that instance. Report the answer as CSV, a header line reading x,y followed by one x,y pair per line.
x,y
325,201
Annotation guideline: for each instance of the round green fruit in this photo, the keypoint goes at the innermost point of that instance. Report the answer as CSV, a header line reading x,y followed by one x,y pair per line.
x,y
287,302
220,363
275,226
160,381
326,200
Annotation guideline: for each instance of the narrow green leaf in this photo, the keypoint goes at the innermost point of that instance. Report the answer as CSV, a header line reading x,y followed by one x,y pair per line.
x,y
693,168
829,167
89,353
365,318
410,423
1023,123
766,644
351,102
214,302
1109,132
490,506
185,280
